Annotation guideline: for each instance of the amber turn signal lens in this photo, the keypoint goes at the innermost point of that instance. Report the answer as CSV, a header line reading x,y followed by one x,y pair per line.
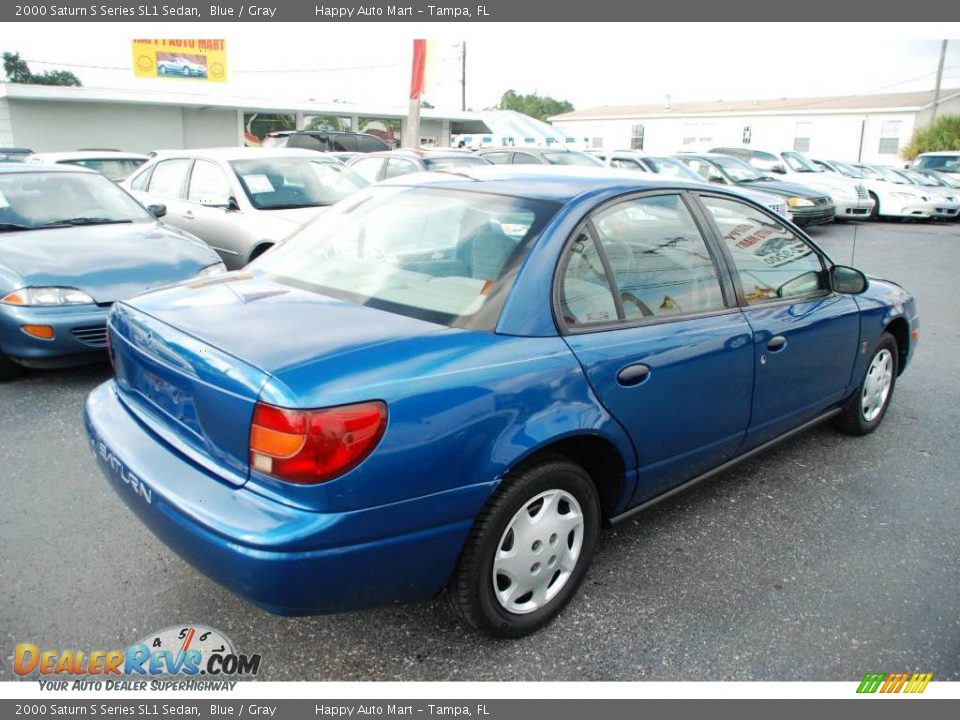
x,y
44,332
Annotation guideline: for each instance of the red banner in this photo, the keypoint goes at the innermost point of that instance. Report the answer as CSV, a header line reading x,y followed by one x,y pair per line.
x,y
419,68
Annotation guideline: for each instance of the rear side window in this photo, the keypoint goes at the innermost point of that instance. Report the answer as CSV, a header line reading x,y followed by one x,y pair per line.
x,y
308,142
525,159
497,158
771,261
646,259
367,168
141,181
368,143
343,143
168,176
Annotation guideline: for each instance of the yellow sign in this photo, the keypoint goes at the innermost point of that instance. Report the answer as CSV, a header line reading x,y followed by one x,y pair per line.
x,y
183,59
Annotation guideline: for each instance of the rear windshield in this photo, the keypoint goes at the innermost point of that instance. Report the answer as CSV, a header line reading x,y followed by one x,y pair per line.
x,y
116,169
572,158
451,163
438,255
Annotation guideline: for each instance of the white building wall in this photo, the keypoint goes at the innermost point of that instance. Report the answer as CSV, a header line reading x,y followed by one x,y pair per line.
x,y
210,127
850,137
6,129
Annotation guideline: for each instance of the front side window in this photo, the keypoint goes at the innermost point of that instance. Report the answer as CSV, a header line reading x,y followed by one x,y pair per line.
x,y
168,176
453,162
771,261
438,255
659,263
207,182
627,163
367,168
293,182
497,158
525,159
572,158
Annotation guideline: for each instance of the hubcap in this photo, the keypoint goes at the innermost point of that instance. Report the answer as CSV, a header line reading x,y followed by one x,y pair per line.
x,y
876,385
538,551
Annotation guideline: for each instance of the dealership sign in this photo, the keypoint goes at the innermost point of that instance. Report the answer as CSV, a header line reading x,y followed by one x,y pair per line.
x,y
195,59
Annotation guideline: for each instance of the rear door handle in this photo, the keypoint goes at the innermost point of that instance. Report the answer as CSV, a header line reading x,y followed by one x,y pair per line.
x,y
633,375
777,343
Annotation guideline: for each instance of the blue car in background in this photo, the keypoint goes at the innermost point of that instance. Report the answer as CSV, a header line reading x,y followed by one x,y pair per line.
x,y
453,381
71,244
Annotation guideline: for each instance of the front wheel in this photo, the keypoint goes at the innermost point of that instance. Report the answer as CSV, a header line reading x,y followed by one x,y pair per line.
x,y
9,369
865,409
875,210
529,550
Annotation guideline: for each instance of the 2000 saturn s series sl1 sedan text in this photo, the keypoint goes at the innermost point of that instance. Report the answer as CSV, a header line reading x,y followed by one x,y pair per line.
x,y
453,380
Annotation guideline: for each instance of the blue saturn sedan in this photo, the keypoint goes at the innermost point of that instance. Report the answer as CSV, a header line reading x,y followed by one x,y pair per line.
x,y
71,244
453,381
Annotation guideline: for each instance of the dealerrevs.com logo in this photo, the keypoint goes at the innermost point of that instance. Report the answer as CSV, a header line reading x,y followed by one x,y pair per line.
x,y
186,652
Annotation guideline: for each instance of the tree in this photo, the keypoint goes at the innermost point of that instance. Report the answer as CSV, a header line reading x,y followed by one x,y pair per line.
x,y
540,107
944,134
17,71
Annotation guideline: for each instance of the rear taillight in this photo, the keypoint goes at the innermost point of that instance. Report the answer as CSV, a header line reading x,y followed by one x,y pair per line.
x,y
313,446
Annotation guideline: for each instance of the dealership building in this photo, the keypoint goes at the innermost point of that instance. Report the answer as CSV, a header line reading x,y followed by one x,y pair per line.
x,y
50,118
864,128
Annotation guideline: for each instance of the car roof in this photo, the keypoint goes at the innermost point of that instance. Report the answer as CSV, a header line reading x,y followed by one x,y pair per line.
x,y
940,153
524,148
11,168
541,182
86,155
241,153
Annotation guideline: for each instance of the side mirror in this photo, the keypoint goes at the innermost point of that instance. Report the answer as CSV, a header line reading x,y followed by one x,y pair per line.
x,y
158,211
717,179
848,280
779,169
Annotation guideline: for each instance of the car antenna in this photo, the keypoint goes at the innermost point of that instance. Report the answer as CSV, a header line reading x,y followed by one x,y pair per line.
x,y
853,250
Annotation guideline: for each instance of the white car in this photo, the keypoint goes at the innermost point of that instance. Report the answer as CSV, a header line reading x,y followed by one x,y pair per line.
x,y
897,196
181,66
669,167
114,164
947,161
851,197
242,201
946,199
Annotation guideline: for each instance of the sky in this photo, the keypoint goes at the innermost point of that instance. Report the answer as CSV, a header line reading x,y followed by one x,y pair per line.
x,y
588,64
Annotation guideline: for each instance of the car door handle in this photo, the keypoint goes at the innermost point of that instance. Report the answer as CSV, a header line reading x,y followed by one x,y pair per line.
x,y
633,375
777,343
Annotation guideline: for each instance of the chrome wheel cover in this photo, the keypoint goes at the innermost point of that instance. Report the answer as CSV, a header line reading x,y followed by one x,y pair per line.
x,y
538,552
876,386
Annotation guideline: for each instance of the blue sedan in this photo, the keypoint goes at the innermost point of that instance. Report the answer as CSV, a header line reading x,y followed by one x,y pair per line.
x,y
453,381
71,244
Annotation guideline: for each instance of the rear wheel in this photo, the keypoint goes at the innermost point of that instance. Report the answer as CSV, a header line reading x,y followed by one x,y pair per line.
x,y
9,369
529,549
865,409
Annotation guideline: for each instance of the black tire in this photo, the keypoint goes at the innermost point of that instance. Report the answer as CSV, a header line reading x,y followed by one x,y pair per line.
x,y
472,592
875,210
852,420
258,251
9,369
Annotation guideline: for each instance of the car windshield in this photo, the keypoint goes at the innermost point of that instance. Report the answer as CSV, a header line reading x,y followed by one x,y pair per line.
x,y
798,163
293,182
948,180
919,178
572,158
453,162
737,170
438,255
32,200
893,176
947,163
116,169
668,167
848,170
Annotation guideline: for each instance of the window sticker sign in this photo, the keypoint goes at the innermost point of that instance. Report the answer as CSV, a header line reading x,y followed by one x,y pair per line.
x,y
184,59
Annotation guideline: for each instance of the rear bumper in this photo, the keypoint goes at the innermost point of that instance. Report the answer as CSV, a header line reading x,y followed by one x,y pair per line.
x,y
79,334
287,560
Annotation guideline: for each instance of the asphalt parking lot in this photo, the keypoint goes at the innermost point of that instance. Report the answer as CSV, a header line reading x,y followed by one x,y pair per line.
x,y
821,560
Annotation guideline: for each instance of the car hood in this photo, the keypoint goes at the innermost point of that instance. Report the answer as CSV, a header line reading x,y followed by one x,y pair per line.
x,y
233,311
109,262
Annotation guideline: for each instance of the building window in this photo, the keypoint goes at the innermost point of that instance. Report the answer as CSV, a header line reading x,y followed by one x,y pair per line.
x,y
747,134
801,137
636,138
890,137
596,143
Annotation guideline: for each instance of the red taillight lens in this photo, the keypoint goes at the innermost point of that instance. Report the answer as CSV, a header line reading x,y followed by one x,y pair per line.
x,y
313,446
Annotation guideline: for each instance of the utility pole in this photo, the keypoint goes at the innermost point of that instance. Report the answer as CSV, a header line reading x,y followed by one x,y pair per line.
x,y
936,90
463,74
